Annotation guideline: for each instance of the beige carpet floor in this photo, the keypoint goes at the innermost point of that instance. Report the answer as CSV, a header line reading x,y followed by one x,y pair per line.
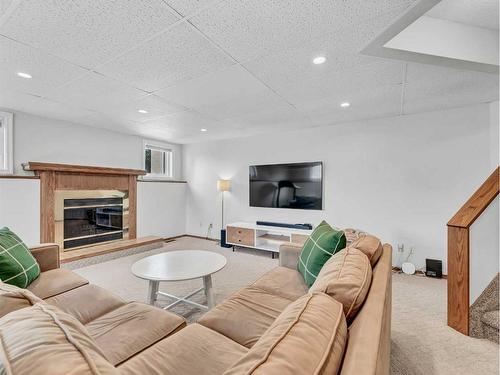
x,y
422,343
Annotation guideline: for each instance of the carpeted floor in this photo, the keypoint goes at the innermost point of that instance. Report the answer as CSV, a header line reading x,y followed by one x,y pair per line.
x,y
422,343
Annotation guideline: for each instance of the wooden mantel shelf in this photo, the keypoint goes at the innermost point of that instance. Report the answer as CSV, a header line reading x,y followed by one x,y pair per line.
x,y
68,168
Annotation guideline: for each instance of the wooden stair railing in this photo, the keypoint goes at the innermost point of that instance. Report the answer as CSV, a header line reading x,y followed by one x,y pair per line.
x,y
458,252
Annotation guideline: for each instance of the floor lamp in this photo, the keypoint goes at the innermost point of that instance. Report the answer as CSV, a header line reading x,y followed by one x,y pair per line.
x,y
223,186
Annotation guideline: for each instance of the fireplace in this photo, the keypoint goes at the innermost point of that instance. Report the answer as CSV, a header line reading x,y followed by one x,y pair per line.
x,y
88,217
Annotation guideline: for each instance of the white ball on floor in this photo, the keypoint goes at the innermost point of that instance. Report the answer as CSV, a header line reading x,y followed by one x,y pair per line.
x,y
408,268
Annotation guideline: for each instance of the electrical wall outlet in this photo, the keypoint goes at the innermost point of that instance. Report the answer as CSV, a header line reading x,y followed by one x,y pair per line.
x,y
210,226
401,248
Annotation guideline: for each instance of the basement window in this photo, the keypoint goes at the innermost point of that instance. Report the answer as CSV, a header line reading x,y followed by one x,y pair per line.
x,y
157,161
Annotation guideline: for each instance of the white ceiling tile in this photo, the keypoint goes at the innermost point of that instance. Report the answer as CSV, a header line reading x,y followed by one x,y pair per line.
x,y
213,88
432,87
97,92
189,7
281,116
321,81
381,101
247,29
101,120
87,32
178,54
187,122
243,104
293,75
47,71
145,60
4,5
332,15
40,106
155,107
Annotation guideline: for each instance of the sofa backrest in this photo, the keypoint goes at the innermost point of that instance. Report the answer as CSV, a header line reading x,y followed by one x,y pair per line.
x,y
369,345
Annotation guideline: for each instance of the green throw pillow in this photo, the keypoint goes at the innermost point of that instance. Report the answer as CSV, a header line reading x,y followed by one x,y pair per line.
x,y
17,266
319,247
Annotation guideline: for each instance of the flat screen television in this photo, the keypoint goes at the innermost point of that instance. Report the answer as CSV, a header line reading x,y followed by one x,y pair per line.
x,y
296,185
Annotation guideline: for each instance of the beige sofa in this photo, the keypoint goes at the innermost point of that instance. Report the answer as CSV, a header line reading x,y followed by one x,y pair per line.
x,y
273,326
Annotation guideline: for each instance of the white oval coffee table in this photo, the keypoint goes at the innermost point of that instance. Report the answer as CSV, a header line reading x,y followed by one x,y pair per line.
x,y
178,266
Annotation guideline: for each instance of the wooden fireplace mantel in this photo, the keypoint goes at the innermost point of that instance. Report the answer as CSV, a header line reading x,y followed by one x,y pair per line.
x,y
69,168
79,177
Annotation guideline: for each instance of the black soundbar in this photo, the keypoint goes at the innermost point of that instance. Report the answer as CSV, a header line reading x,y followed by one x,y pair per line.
x,y
285,225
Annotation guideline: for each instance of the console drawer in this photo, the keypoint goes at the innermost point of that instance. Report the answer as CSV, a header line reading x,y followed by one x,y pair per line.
x,y
242,236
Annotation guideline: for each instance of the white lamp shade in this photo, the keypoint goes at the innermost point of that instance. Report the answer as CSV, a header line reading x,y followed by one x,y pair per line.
x,y
223,185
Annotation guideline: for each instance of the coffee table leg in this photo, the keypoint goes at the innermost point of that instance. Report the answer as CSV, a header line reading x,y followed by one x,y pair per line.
x,y
152,291
209,293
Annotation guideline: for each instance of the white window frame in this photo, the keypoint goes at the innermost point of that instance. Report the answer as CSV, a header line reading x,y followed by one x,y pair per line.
x,y
6,121
164,147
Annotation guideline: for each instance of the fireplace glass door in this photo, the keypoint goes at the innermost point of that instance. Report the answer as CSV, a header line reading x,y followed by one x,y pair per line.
x,y
92,220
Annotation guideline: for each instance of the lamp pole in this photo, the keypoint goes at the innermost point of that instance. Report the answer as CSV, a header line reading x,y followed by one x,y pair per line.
x,y
222,211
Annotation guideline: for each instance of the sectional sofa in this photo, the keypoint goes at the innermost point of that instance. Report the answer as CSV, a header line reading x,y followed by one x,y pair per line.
x,y
62,324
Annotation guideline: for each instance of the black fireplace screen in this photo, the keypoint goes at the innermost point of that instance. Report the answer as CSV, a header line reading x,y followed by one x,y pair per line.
x,y
92,220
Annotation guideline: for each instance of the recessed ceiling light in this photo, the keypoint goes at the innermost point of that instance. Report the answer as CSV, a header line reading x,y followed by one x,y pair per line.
x,y
142,111
24,75
203,130
319,60
345,104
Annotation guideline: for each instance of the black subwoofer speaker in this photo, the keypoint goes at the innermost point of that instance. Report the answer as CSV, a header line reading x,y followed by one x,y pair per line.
x,y
223,242
434,268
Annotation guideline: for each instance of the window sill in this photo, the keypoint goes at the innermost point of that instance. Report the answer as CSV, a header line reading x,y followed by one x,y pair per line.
x,y
160,179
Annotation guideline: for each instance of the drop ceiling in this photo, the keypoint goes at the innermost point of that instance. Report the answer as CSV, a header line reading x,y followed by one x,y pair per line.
x,y
234,67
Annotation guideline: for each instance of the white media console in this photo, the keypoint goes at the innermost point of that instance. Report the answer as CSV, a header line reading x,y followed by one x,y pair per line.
x,y
263,237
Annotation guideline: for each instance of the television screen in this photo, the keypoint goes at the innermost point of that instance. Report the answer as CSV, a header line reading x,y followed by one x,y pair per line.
x,y
297,185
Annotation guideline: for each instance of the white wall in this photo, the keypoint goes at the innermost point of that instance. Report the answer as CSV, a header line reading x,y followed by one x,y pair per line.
x,y
400,178
484,250
46,140
456,40
20,208
53,141
161,209
494,135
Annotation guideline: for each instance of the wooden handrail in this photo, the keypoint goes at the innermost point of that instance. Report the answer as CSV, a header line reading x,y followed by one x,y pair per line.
x,y
458,251
476,204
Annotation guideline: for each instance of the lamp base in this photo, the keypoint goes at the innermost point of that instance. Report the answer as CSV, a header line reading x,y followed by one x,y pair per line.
x,y
223,239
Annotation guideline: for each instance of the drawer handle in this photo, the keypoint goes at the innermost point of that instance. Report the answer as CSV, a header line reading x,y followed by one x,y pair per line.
x,y
239,239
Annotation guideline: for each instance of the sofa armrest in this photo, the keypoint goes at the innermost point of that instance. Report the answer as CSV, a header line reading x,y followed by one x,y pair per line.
x,y
47,256
289,255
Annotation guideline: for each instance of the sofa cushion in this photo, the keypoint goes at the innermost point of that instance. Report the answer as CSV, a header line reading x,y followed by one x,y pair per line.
x,y
284,282
323,242
17,266
131,328
194,350
309,337
346,277
370,246
13,298
246,315
86,303
56,281
353,234
44,340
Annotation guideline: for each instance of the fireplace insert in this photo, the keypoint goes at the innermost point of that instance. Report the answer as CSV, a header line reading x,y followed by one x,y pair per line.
x,y
92,220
